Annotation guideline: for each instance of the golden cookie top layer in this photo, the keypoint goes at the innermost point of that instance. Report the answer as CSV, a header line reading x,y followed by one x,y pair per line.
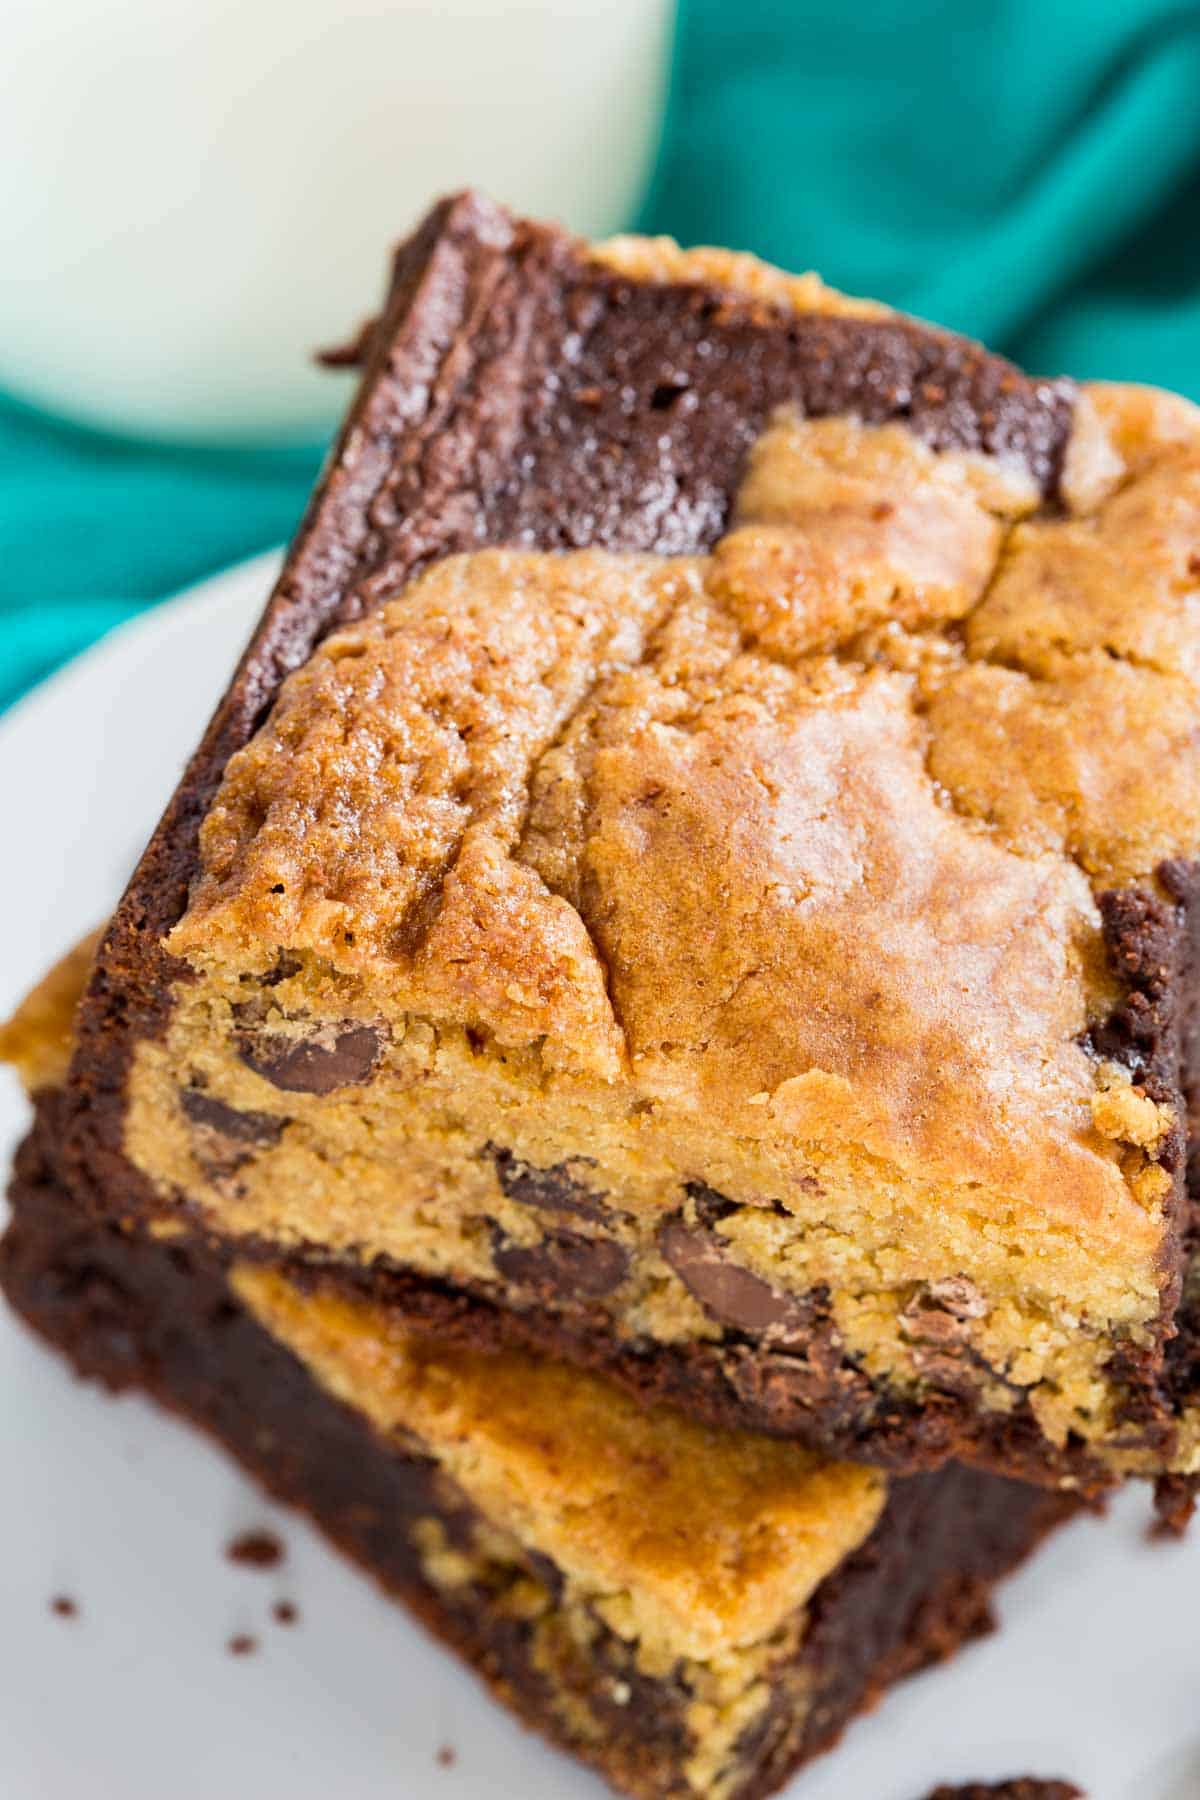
x,y
803,836
692,1541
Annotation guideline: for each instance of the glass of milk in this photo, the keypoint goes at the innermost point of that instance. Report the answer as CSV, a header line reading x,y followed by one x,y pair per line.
x,y
196,194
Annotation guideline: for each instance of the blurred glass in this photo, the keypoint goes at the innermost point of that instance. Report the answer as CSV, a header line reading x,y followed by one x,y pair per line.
x,y
195,196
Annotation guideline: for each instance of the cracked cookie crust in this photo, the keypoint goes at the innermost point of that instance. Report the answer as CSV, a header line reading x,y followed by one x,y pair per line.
x,y
696,863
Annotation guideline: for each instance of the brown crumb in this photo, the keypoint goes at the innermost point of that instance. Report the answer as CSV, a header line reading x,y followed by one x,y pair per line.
x,y
446,1757
63,1607
1174,1504
1019,1787
242,1644
256,1550
285,1612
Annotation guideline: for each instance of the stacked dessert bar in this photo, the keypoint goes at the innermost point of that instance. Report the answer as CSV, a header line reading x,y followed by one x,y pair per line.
x,y
643,1077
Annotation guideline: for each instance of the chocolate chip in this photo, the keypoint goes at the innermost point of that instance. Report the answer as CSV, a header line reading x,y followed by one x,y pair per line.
x,y
567,1264
937,1324
547,1573
285,1612
325,1058
242,1645
203,1108
284,969
63,1607
940,1312
552,1190
782,1392
730,1293
666,394
711,1206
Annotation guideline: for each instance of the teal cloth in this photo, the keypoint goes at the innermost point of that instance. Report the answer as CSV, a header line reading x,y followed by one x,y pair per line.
x,y
1027,173
92,529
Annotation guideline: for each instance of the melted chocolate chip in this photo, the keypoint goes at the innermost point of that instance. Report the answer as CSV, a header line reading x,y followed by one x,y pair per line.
x,y
730,1293
284,969
565,1264
711,1206
785,1389
243,1127
325,1058
551,1190
940,1312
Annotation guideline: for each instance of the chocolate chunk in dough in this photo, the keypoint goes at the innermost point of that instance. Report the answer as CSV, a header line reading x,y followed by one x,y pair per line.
x,y
243,1127
567,1264
325,1058
731,1294
940,1312
710,1206
782,1388
555,1189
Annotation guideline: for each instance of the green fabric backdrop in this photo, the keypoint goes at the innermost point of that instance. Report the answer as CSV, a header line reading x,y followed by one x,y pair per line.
x,y
1029,173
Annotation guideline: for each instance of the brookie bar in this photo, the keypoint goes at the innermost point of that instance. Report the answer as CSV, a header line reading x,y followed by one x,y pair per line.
x,y
695,870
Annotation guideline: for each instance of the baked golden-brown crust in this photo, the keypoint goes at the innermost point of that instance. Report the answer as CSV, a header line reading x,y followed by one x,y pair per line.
x,y
1072,727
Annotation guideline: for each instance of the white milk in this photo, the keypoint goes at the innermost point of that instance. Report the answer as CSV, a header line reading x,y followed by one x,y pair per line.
x,y
194,197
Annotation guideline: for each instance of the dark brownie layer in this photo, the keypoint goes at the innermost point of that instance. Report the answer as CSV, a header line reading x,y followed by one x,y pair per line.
x,y
134,1314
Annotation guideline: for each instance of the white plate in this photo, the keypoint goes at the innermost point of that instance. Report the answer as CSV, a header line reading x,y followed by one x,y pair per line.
x,y
1095,1674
